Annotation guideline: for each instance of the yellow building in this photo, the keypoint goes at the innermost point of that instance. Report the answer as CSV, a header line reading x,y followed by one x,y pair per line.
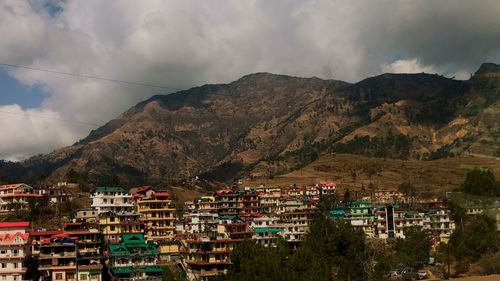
x,y
205,257
158,216
113,225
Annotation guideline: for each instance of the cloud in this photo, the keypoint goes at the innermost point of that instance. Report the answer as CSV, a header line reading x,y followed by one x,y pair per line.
x,y
407,66
183,44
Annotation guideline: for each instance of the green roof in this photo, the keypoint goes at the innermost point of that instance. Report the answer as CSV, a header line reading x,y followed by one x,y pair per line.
x,y
260,230
123,271
118,249
133,239
226,217
154,269
110,189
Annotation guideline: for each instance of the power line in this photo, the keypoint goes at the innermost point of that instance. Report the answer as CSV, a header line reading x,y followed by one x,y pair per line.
x,y
81,75
51,118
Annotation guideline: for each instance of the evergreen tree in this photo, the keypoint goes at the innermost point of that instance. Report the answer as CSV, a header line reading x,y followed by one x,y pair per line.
x,y
480,182
414,250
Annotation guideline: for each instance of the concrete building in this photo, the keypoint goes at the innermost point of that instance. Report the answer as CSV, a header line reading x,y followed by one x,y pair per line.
x,y
14,247
111,199
134,259
158,216
14,197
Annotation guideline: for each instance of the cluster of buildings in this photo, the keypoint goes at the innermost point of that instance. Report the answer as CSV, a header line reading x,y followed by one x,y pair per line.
x,y
388,212
14,197
128,236
123,236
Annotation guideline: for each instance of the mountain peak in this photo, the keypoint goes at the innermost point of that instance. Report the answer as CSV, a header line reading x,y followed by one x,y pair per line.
x,y
487,68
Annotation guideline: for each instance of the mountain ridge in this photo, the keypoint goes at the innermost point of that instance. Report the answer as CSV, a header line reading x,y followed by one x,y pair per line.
x,y
265,124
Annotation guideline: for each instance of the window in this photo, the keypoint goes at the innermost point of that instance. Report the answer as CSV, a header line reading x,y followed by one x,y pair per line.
x,y
83,277
16,265
112,228
59,276
70,275
15,252
4,277
3,252
4,265
16,277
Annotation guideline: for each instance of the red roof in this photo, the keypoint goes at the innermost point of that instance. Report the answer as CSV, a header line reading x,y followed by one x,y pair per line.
x,y
73,223
42,233
14,224
161,194
137,195
224,191
10,186
146,187
10,237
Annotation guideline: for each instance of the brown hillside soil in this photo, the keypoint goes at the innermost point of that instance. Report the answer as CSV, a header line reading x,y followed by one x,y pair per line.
x,y
356,172
493,277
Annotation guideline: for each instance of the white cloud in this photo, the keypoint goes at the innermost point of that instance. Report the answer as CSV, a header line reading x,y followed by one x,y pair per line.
x,y
407,66
188,43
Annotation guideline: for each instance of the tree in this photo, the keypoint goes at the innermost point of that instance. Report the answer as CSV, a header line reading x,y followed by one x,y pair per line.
x,y
480,182
72,176
466,243
414,250
114,181
407,188
347,195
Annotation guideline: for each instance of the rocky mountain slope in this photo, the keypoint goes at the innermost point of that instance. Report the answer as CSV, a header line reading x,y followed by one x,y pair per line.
x,y
265,124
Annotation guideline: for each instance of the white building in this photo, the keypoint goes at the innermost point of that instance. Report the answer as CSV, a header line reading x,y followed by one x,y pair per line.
x,y
111,199
14,248
15,196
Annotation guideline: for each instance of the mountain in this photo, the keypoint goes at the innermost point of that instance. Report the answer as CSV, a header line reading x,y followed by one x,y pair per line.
x,y
265,124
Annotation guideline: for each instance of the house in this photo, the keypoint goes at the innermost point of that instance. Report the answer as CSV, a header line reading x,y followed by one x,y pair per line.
x,y
58,258
111,199
115,224
89,242
158,216
56,195
87,215
134,259
205,256
15,197
14,247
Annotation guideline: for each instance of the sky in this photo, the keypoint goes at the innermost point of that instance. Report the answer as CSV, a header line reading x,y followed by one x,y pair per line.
x,y
182,44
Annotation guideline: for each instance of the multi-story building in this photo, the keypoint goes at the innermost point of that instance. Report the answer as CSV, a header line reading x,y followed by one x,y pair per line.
x,y
327,187
158,216
14,247
87,215
228,202
206,203
269,202
361,216
439,223
15,196
205,257
111,199
89,244
384,220
115,224
56,195
37,239
387,196
58,258
203,222
250,202
134,259
267,236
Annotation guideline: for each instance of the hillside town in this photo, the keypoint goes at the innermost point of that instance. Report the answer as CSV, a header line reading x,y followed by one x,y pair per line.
x,y
131,236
